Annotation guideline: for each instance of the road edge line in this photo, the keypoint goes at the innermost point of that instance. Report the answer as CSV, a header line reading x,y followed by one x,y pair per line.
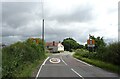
x,y
41,67
77,73
45,60
83,62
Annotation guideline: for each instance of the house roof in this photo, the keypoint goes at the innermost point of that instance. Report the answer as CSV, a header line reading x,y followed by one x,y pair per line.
x,y
51,44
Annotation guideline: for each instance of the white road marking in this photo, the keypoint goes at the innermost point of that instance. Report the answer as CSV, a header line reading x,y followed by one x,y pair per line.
x,y
41,67
72,69
83,62
63,61
57,60
76,73
45,60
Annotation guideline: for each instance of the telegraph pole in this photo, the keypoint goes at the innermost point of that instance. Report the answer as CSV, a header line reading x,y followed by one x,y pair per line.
x,y
42,24
43,31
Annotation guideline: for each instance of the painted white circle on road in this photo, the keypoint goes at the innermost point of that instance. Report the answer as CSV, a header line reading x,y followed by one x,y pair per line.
x,y
54,60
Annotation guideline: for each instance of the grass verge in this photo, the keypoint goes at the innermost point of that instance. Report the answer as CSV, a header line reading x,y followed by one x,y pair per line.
x,y
29,68
101,64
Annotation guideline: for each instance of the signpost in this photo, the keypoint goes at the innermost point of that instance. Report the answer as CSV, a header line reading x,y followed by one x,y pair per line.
x,y
91,44
35,40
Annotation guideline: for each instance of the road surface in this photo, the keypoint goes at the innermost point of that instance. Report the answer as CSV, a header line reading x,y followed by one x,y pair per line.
x,y
71,68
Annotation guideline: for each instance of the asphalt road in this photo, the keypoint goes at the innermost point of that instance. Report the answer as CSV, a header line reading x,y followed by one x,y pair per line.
x,y
71,68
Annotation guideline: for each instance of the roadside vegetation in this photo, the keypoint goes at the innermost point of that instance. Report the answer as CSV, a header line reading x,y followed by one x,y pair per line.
x,y
20,59
70,44
0,63
91,58
104,56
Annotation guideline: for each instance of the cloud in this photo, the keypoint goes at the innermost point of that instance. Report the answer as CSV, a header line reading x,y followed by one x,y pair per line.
x,y
79,14
76,19
19,18
17,14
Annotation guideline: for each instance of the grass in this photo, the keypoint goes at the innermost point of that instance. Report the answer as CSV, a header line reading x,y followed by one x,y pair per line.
x,y
101,64
48,54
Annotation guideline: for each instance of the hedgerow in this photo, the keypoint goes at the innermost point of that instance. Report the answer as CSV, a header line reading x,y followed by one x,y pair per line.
x,y
110,53
15,56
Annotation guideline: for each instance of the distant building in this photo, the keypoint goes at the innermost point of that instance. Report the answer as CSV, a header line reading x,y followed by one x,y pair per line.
x,y
54,46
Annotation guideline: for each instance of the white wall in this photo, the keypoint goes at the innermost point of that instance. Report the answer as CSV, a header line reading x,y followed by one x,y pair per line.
x,y
60,47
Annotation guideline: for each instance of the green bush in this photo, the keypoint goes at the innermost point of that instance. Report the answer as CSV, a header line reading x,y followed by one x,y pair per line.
x,y
106,57
70,43
19,54
110,53
101,64
85,53
0,63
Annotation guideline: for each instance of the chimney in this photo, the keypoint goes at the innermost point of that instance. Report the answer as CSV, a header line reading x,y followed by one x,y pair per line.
x,y
53,43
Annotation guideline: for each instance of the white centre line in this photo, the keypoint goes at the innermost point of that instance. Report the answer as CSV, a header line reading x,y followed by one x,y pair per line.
x,y
63,61
76,73
72,69
41,67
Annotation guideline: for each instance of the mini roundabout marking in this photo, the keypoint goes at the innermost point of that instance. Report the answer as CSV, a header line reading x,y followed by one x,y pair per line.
x,y
55,60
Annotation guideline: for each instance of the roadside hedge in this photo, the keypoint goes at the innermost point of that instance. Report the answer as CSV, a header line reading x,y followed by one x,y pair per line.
x,y
107,57
110,53
15,56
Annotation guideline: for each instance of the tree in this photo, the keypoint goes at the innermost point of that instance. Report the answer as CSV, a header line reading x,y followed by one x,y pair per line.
x,y
70,43
99,42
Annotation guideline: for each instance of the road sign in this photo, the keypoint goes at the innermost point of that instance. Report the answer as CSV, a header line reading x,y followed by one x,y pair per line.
x,y
91,43
35,40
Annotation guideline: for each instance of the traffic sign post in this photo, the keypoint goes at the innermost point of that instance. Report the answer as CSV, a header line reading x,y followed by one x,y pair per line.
x,y
91,44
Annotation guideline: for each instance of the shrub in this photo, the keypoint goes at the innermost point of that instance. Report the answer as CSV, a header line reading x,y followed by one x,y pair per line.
x,y
18,54
110,53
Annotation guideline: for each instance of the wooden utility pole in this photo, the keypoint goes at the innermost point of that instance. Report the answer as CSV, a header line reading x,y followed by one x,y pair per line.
x,y
43,31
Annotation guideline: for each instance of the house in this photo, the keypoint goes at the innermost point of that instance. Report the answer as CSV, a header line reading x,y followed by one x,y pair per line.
x,y
54,46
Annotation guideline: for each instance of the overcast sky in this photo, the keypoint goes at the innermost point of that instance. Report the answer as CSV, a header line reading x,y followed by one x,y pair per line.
x,y
63,18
